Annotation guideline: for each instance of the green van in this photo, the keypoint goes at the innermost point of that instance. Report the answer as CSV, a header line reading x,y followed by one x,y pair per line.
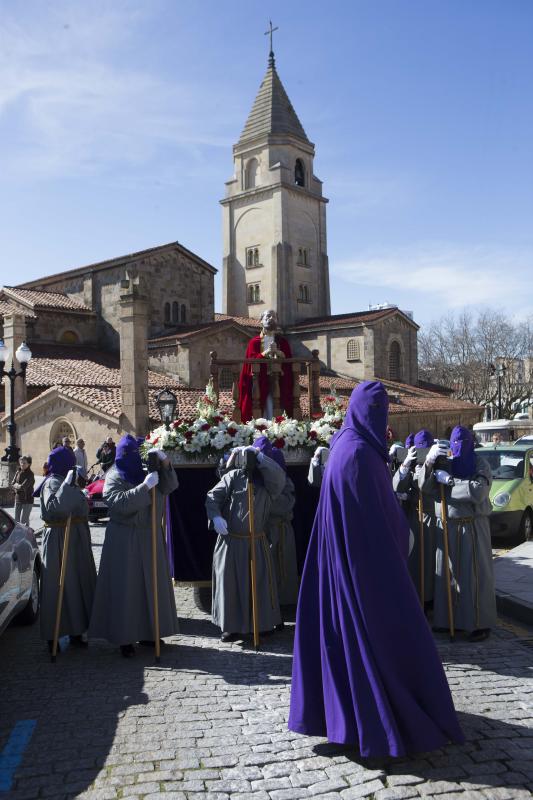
x,y
511,493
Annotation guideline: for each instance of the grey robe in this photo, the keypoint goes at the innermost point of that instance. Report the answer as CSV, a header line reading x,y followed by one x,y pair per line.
x,y
58,501
280,534
123,606
470,549
408,485
232,603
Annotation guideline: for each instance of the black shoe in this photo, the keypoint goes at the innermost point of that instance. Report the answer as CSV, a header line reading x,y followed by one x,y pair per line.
x,y
229,637
150,643
78,641
479,635
127,650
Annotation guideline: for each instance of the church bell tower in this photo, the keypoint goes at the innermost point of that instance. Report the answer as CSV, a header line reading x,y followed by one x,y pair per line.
x,y
274,216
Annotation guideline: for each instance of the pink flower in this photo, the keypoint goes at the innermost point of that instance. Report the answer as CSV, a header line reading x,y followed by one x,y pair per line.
x,y
188,435
279,443
279,419
205,427
232,431
313,434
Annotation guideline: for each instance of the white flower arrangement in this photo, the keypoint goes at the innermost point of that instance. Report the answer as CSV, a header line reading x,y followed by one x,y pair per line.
x,y
214,432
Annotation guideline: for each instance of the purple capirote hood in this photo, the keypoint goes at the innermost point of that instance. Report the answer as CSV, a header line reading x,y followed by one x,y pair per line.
x,y
462,445
264,444
424,438
128,460
367,414
409,442
60,461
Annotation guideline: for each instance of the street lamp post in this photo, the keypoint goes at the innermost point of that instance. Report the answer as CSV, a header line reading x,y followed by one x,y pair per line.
x,y
166,403
23,355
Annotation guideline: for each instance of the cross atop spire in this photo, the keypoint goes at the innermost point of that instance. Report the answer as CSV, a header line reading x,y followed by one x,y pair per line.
x,y
269,33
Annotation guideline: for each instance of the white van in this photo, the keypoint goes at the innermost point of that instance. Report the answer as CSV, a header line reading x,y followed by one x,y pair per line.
x,y
509,430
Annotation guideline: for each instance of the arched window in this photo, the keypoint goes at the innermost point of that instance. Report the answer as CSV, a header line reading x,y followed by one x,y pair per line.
x,y
256,294
299,173
69,337
251,293
395,361
304,256
60,429
252,173
353,350
250,257
175,311
300,292
256,257
183,312
167,312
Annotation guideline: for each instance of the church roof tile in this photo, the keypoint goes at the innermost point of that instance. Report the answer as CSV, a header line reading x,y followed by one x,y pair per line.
x,y
272,111
37,299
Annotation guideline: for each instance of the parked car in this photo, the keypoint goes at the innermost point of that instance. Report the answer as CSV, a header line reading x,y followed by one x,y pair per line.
x,y
20,571
97,505
511,493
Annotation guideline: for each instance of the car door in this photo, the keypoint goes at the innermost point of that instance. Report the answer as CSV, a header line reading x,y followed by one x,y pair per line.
x,y
528,480
9,573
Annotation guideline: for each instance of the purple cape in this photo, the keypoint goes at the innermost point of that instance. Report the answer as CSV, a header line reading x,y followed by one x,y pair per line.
x,y
128,460
366,670
462,445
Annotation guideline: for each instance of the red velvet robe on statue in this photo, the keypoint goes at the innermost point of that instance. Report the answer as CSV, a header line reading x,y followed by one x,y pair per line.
x,y
245,383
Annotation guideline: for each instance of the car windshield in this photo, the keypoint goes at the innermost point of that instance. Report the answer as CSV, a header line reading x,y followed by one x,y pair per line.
x,y
505,464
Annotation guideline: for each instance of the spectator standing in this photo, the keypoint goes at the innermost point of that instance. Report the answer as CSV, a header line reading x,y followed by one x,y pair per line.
x,y
23,484
81,457
105,454
65,441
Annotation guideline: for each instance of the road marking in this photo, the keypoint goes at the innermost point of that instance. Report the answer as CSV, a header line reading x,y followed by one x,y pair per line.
x,y
11,755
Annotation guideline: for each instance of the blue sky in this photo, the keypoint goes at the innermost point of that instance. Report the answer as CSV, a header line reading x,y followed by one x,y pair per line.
x,y
117,121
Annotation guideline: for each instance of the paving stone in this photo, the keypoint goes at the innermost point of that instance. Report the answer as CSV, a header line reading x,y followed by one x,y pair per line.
x,y
364,790
396,793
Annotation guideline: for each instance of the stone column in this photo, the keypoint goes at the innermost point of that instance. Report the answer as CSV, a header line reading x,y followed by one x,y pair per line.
x,y
134,355
14,335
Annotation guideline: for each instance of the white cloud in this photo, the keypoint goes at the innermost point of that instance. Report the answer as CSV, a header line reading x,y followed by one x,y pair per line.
x,y
69,105
451,275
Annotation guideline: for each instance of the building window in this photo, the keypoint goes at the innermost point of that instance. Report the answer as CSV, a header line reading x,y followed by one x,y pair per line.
x,y
304,295
225,380
167,312
175,311
253,293
183,313
299,173
69,337
353,350
395,361
252,173
252,257
303,256
60,429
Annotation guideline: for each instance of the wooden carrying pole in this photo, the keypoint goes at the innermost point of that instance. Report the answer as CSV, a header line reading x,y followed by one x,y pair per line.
x,y
253,563
60,593
421,551
444,517
155,598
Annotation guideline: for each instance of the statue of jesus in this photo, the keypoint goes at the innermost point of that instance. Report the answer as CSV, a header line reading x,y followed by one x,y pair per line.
x,y
269,344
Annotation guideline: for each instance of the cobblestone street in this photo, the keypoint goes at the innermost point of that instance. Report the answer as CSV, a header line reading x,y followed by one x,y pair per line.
x,y
210,722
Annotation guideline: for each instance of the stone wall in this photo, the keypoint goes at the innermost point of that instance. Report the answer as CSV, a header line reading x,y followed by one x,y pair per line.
x,y
439,423
172,277
51,327
396,329
37,429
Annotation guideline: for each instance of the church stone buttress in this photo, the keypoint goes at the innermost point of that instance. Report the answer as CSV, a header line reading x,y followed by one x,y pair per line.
x,y
274,216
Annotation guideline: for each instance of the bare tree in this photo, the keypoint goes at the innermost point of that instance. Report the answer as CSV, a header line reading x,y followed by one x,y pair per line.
x,y
465,352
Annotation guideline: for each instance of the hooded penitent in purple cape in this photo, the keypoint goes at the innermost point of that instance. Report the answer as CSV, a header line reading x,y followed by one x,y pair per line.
x,y
423,438
366,671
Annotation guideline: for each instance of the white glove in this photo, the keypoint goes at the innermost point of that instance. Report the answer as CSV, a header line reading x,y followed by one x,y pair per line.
x,y
160,453
151,480
393,449
220,525
70,478
443,477
435,451
410,459
418,470
234,459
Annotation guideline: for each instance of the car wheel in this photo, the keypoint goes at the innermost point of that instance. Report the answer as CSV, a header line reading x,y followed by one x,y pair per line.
x,y
30,612
526,526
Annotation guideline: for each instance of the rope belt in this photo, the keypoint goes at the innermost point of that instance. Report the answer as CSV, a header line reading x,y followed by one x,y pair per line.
x,y
266,550
461,520
62,523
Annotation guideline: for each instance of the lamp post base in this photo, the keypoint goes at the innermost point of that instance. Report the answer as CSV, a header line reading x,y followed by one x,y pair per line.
x,y
7,473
